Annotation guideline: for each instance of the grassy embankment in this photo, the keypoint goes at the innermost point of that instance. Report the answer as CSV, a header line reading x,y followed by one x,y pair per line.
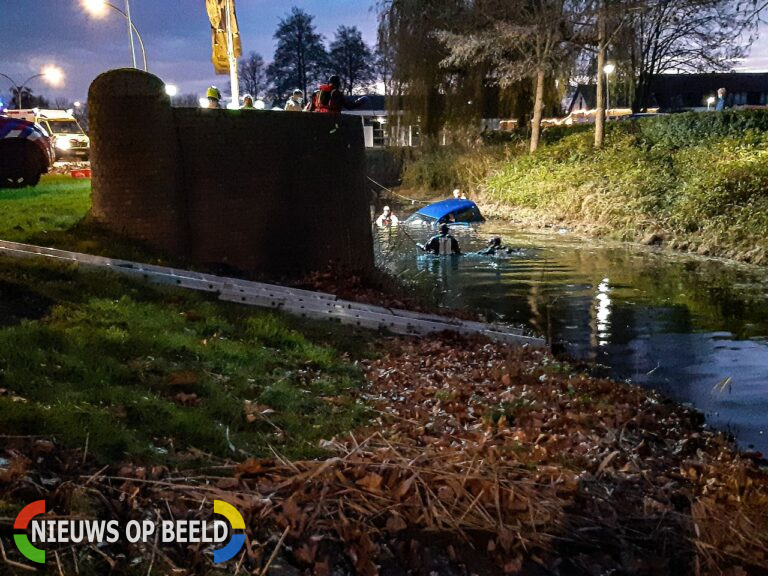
x,y
693,181
54,214
138,372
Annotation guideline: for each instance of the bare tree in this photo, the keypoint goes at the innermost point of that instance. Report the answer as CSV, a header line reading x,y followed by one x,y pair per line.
x,y
412,57
253,74
60,103
186,101
518,39
685,36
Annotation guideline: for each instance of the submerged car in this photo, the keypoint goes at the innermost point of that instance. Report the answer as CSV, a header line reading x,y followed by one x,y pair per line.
x,y
452,212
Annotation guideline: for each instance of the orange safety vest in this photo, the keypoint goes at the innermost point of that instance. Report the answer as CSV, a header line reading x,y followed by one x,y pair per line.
x,y
323,101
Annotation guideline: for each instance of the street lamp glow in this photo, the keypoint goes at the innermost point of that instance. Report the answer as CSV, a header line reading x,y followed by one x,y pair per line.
x,y
53,75
609,68
96,8
171,90
99,8
77,104
203,102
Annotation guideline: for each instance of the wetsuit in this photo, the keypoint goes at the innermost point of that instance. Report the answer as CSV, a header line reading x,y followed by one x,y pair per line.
x,y
495,249
442,245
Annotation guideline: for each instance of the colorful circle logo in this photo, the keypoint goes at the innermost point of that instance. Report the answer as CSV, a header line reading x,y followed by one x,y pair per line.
x,y
238,539
22,540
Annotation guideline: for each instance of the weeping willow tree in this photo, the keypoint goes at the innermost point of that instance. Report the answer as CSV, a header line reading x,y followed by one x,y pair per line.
x,y
516,40
446,56
431,94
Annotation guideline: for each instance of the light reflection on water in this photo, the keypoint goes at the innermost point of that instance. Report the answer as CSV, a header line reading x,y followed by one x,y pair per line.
x,y
677,323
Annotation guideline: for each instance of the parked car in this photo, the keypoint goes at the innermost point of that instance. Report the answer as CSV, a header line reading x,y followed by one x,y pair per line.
x,y
454,212
68,138
26,152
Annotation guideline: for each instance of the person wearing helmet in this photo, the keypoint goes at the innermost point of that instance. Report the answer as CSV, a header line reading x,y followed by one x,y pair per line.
x,y
442,244
494,247
248,102
214,97
386,218
329,98
294,102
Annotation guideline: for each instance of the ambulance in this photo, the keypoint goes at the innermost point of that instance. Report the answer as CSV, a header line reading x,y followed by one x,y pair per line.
x,y
69,140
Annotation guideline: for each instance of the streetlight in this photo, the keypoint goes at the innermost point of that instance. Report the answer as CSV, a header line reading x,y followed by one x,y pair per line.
x,y
171,90
608,69
52,74
98,9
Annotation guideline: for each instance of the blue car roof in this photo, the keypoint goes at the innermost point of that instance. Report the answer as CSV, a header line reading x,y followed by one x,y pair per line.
x,y
444,207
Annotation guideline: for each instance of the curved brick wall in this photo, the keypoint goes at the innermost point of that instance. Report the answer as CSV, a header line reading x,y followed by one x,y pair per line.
x,y
270,192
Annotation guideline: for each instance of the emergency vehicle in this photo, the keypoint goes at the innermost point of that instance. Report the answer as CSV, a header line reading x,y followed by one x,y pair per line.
x,y
25,153
69,140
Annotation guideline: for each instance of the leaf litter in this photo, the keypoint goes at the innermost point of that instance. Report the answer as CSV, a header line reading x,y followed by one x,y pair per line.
x,y
480,459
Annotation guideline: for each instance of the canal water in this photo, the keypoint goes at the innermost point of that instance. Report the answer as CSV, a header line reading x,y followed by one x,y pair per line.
x,y
693,328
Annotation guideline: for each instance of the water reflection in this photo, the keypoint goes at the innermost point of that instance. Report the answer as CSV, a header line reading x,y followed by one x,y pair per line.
x,y
603,309
677,323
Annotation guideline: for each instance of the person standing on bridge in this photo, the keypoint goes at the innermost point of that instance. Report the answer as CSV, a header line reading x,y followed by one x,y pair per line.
x,y
329,98
214,97
443,244
294,102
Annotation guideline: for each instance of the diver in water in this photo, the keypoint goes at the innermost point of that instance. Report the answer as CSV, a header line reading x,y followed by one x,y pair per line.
x,y
495,247
442,244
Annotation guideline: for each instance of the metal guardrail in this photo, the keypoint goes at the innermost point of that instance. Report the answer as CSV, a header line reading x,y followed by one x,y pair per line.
x,y
304,303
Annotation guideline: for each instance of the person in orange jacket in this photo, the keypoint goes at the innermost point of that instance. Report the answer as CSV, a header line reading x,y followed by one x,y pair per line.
x,y
329,99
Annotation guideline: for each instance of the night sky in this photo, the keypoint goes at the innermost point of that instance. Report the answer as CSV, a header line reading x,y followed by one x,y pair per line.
x,y
37,32
176,33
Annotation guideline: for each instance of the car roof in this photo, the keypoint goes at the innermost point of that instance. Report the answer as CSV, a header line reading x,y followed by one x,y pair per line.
x,y
445,207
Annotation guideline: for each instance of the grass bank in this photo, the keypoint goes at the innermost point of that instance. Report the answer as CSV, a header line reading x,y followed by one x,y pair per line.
x,y
53,213
692,181
130,371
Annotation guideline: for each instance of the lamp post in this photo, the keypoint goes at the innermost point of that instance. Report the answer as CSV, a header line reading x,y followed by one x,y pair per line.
x,y
97,8
53,75
608,69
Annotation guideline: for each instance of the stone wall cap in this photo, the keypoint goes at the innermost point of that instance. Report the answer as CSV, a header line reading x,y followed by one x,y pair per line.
x,y
128,82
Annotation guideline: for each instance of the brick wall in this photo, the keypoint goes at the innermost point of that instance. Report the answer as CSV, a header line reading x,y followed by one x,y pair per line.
x,y
270,192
